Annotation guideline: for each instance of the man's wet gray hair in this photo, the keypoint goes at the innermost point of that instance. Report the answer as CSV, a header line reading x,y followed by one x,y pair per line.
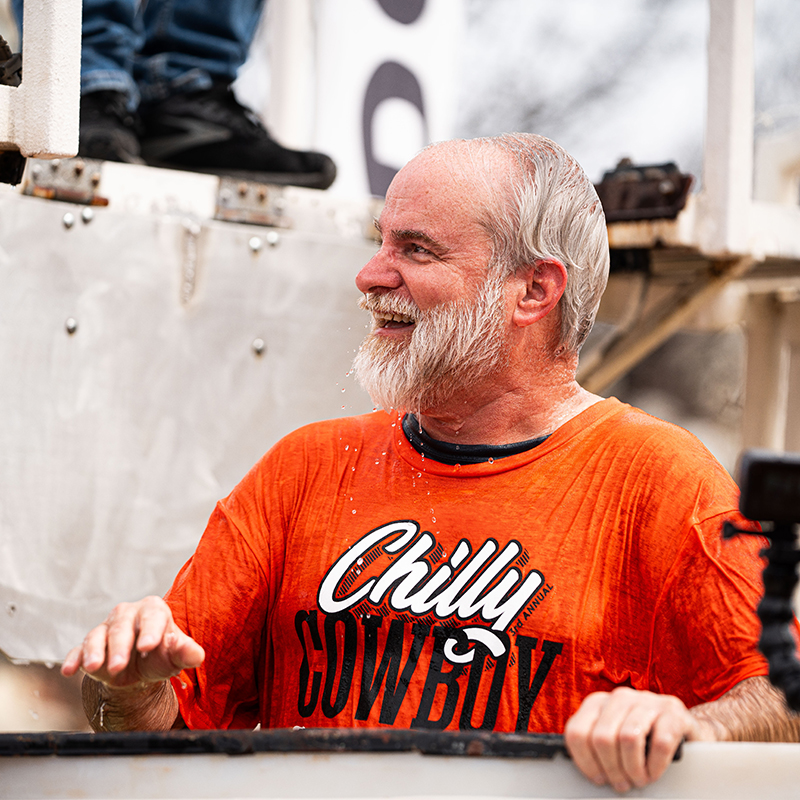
x,y
548,209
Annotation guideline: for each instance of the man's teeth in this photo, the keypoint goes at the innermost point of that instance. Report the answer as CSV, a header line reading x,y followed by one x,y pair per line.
x,y
383,317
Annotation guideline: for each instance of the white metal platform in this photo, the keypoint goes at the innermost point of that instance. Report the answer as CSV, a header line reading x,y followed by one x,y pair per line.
x,y
707,771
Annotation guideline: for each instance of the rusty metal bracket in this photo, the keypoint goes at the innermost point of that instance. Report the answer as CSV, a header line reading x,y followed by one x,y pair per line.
x,y
251,202
74,180
623,352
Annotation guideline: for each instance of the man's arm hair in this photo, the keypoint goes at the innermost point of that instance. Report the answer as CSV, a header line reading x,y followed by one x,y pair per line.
x,y
753,711
143,707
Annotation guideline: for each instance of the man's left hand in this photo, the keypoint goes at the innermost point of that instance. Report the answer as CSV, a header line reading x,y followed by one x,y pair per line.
x,y
628,738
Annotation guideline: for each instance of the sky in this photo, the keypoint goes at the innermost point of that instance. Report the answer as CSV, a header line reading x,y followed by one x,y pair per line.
x,y
614,79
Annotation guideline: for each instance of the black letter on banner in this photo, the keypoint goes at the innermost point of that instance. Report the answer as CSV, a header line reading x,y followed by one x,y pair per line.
x,y
495,690
529,690
389,80
434,678
349,647
393,692
306,709
405,11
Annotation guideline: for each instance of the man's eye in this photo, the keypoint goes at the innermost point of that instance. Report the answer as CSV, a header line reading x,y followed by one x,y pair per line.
x,y
418,248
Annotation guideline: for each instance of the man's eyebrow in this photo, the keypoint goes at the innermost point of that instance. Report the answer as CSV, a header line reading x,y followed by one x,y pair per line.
x,y
411,235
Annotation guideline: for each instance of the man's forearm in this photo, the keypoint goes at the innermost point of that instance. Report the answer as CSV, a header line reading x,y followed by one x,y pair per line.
x,y
146,707
753,711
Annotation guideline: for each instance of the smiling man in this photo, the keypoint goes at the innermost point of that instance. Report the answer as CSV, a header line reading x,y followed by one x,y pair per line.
x,y
499,549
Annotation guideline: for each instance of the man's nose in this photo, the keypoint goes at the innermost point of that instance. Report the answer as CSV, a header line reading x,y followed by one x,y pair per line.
x,y
378,273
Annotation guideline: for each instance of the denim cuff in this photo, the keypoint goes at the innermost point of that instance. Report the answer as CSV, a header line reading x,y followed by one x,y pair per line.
x,y
113,81
158,80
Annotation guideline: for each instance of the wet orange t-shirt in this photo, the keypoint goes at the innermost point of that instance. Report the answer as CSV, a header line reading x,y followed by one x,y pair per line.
x,y
349,581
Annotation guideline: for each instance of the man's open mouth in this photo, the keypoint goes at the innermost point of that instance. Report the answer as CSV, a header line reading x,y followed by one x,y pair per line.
x,y
386,319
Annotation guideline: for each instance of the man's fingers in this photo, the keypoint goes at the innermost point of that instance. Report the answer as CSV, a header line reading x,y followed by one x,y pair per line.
x,y
120,638
626,737
665,738
577,737
634,735
137,641
72,662
154,620
184,652
620,728
93,650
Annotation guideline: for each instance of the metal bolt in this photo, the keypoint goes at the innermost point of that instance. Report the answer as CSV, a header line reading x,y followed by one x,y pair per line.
x,y
80,166
95,179
242,189
87,215
259,346
262,194
71,325
255,244
55,164
68,219
36,171
225,197
191,227
273,238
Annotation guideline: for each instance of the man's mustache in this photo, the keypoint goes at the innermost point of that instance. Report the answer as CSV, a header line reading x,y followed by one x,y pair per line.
x,y
387,304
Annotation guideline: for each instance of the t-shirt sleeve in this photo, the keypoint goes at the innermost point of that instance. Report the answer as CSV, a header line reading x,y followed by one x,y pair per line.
x,y
220,599
706,628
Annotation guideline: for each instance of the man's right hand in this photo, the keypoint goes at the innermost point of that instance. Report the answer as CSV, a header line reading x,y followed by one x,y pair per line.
x,y
138,643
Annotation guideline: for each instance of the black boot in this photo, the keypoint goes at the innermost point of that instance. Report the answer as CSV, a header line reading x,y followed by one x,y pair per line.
x,y
209,131
108,131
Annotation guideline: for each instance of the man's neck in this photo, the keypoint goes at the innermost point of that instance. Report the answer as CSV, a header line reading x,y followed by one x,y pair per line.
x,y
515,415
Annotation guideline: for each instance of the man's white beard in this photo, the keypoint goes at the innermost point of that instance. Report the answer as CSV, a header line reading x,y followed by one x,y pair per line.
x,y
452,347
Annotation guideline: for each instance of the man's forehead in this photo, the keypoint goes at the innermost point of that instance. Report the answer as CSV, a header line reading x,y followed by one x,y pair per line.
x,y
467,162
450,181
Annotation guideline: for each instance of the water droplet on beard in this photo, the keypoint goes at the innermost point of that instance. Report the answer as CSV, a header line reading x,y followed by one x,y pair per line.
x,y
354,511
491,460
457,466
347,447
343,388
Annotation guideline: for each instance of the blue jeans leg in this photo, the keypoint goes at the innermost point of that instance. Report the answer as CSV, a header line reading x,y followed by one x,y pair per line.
x,y
172,46
189,44
111,36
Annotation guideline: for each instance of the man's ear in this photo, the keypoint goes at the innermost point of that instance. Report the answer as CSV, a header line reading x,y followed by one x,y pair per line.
x,y
544,284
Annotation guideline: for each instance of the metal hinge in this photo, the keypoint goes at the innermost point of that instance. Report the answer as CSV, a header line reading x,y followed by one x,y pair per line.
x,y
74,180
251,202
